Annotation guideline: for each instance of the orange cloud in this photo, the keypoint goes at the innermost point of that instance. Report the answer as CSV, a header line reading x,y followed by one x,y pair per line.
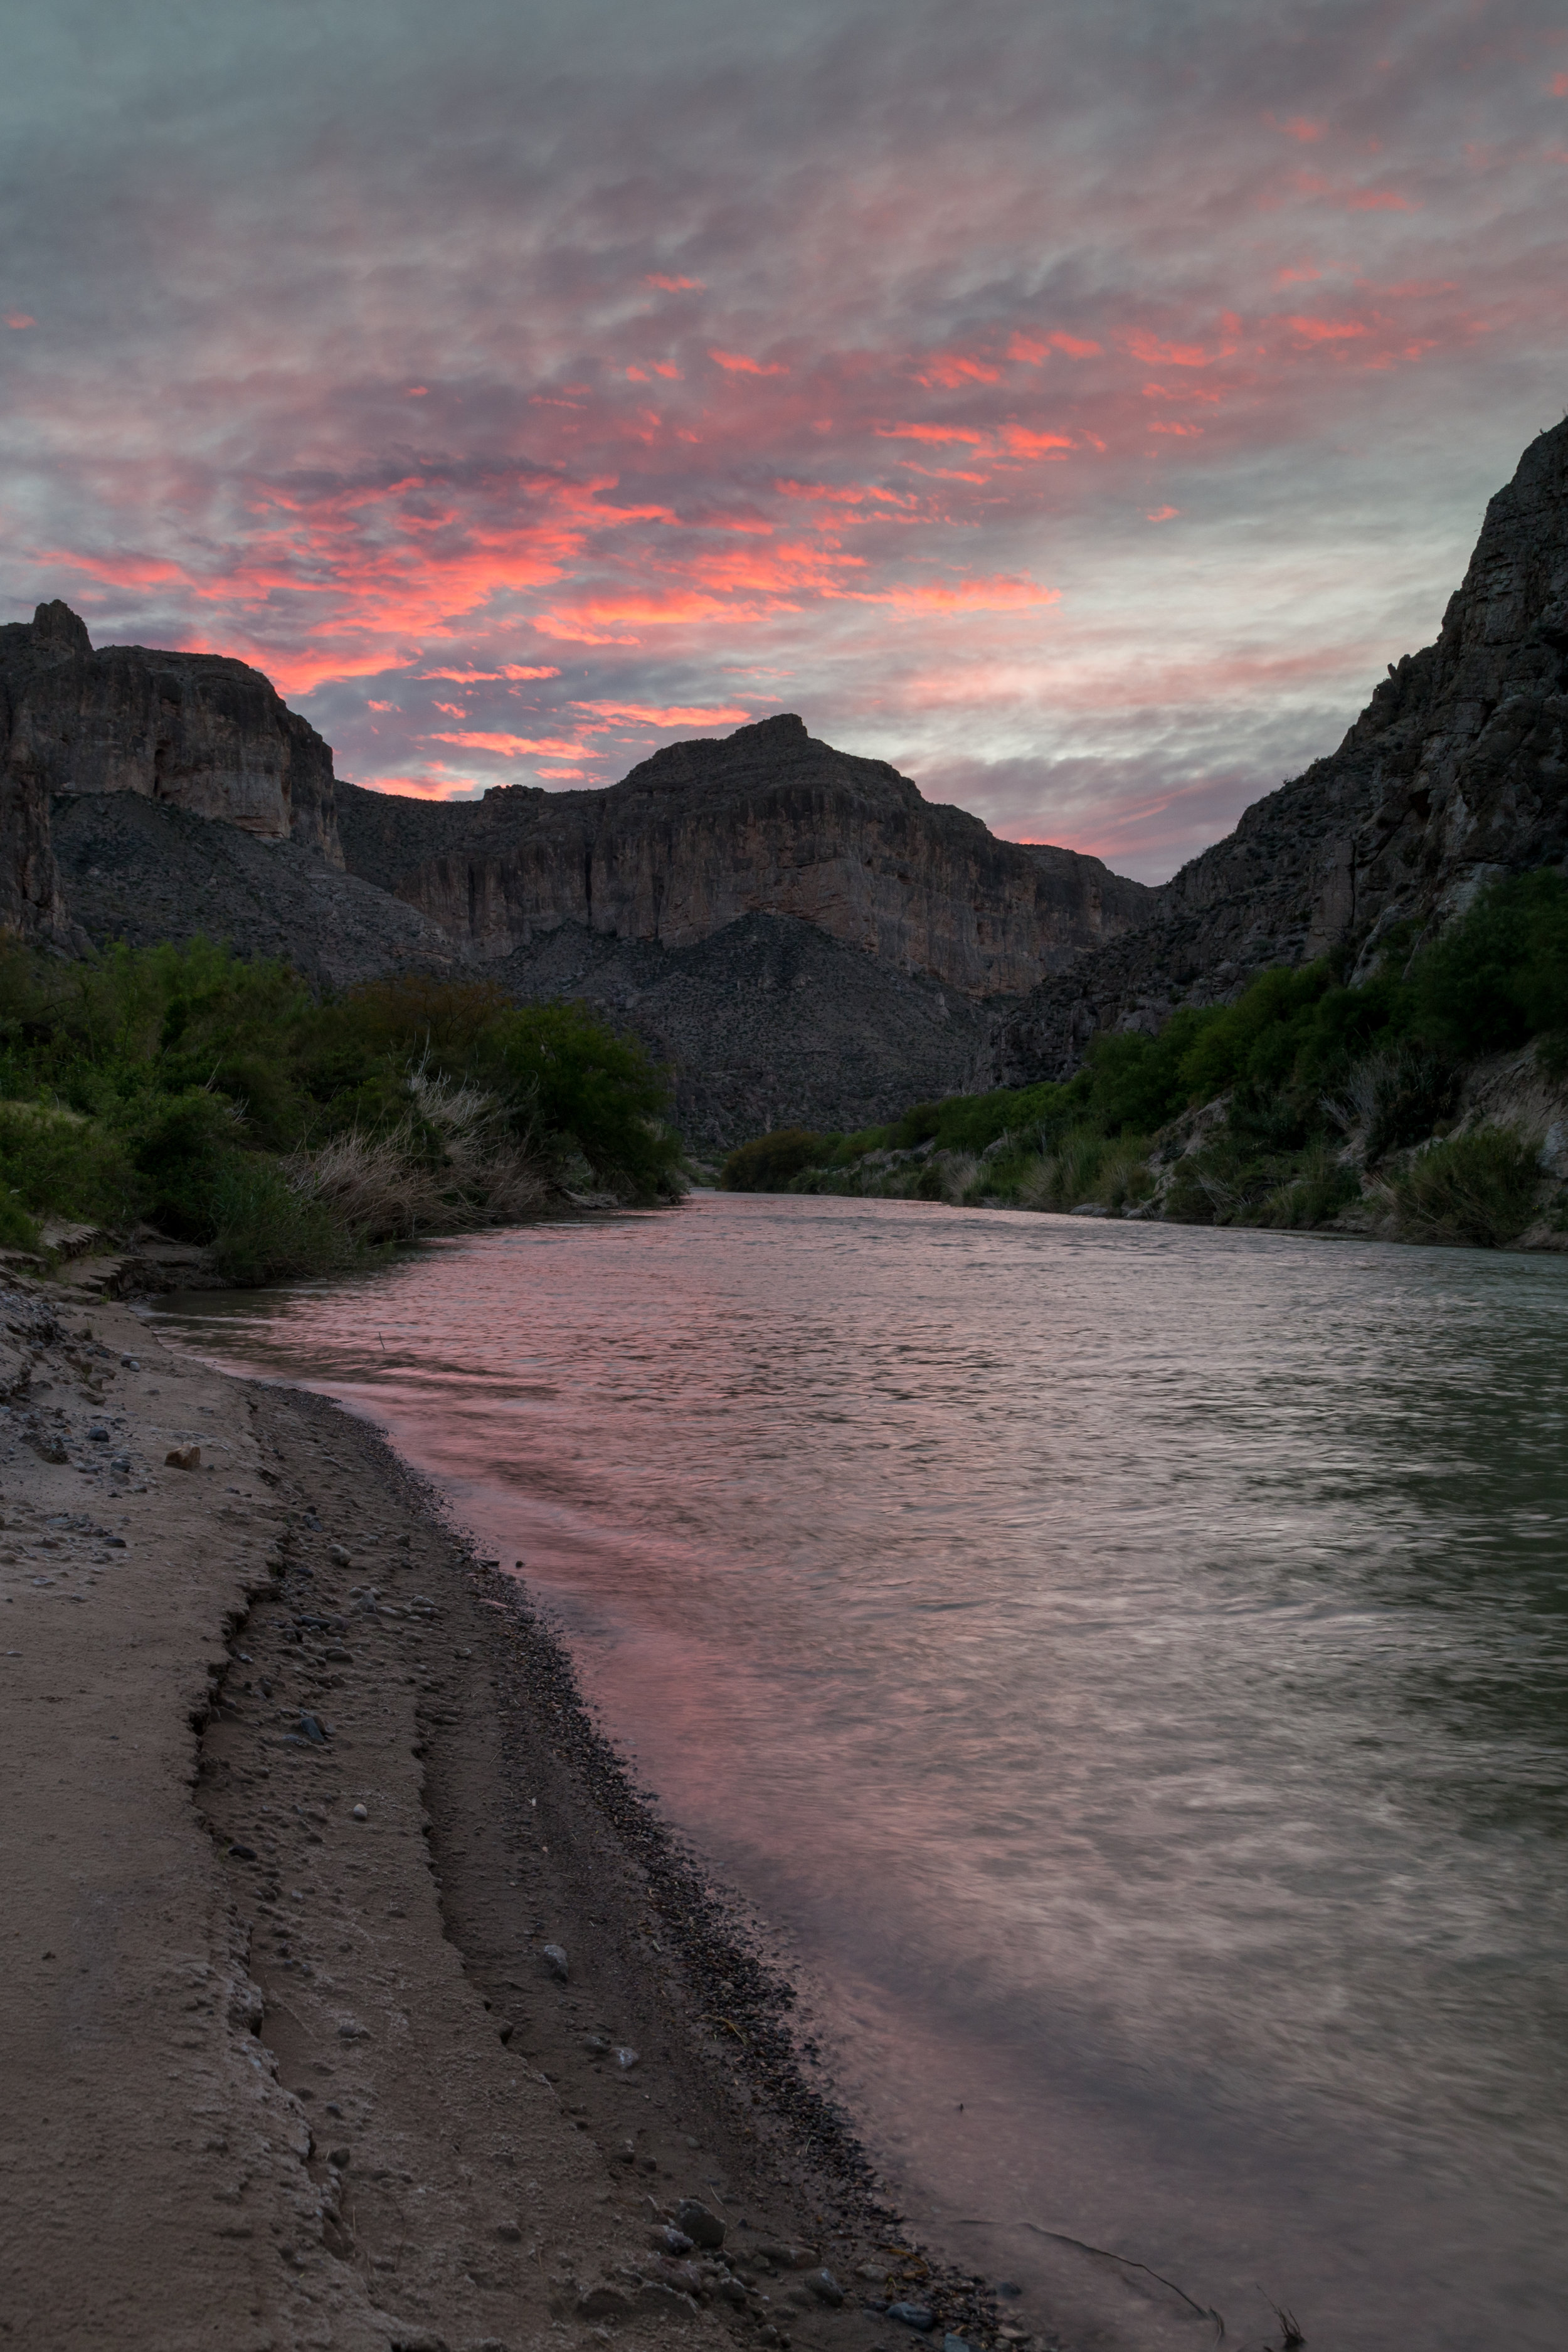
x,y
512,747
1161,514
1025,444
931,433
950,370
646,714
488,677
839,497
19,319
739,364
677,285
1184,431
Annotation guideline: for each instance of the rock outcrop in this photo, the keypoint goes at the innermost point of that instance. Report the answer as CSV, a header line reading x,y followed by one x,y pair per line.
x,y
133,870
766,821
196,732
1457,769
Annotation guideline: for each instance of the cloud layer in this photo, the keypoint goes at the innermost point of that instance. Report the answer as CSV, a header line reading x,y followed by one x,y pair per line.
x,y
1076,406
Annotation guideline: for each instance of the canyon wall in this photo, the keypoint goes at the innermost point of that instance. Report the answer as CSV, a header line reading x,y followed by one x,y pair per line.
x,y
767,821
1457,769
197,731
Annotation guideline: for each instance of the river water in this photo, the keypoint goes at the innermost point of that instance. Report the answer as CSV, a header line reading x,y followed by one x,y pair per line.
x,y
1126,1662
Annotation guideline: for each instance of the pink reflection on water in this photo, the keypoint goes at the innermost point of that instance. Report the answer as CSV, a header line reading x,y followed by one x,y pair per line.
x,y
1035,1622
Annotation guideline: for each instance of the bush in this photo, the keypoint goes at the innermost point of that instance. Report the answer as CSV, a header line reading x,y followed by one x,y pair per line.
x,y
17,1230
1499,974
55,1160
1480,1189
264,1228
164,1083
768,1164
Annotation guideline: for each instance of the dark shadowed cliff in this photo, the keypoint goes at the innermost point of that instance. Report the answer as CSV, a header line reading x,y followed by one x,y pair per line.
x,y
194,731
1456,769
766,821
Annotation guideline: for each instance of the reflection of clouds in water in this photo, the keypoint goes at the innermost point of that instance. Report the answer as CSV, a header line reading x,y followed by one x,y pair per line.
x,y
1046,1624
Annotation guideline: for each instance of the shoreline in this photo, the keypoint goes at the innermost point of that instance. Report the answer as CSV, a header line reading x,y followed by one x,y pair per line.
x,y
284,2074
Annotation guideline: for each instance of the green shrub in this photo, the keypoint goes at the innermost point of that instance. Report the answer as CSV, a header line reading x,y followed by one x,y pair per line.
x,y
1320,1187
17,1230
1480,1189
1499,974
154,1084
768,1164
55,1160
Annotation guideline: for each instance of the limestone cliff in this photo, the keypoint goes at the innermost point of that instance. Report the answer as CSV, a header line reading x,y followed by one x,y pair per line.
x,y
767,821
1456,769
199,731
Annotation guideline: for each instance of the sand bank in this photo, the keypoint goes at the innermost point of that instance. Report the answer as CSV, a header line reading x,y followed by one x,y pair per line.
x,y
297,1795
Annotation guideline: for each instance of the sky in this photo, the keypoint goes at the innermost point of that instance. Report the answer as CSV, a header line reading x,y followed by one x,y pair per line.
x,y
1075,405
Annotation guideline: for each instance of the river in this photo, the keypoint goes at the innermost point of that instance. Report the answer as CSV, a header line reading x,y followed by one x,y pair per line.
x,y
1126,1662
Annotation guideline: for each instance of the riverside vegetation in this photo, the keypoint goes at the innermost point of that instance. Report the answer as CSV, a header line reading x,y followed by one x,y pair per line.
x,y
1306,1102
228,1104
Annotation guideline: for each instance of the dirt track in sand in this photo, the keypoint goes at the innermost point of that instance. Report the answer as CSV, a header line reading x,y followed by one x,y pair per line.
x,y
277,2074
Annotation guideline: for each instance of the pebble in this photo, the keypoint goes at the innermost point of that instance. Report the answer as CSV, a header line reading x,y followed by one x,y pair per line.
x,y
912,2314
337,1555
121,1461
99,1434
826,2289
339,2160
555,1960
362,1813
668,2240
703,2227
625,2058
183,1457
314,1730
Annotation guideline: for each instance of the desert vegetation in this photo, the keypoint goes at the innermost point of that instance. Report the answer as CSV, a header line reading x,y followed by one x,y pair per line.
x,y
1306,1102
223,1103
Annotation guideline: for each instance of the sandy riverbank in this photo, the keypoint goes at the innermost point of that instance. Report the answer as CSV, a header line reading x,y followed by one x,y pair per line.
x,y
297,1793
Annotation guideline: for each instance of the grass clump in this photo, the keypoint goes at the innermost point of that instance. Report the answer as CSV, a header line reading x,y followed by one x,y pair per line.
x,y
1481,1188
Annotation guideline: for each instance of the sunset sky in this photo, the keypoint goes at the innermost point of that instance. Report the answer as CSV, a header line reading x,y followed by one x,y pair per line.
x,y
1077,405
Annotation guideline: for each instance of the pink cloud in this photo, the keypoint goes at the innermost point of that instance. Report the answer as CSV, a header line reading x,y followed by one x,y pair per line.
x,y
1161,514
737,364
645,714
512,747
931,433
486,677
1026,443
1328,330
677,285
950,370
19,319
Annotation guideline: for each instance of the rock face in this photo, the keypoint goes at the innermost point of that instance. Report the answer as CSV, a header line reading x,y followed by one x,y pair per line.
x,y
133,870
768,821
197,731
768,1023
1457,769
